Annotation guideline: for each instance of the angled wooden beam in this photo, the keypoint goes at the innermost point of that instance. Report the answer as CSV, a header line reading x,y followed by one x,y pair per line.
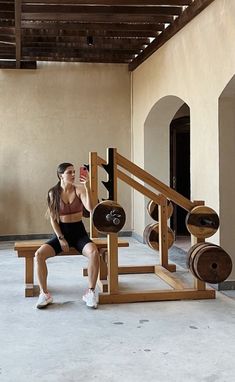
x,y
18,32
154,183
139,187
192,11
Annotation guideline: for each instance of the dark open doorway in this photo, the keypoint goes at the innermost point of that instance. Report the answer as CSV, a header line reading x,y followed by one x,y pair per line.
x,y
180,169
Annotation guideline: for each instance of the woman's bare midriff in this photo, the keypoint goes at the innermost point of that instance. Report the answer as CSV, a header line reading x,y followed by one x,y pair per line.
x,y
71,218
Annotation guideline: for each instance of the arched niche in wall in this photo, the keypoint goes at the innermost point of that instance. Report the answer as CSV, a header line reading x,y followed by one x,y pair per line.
x,y
157,139
226,168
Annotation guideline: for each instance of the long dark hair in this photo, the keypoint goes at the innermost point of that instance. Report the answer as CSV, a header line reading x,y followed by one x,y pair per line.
x,y
53,196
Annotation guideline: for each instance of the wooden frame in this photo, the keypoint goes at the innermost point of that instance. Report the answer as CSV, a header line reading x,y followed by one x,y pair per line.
x,y
109,284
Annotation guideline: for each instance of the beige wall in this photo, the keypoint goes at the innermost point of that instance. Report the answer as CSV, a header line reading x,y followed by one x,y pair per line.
x,y
194,66
56,113
227,165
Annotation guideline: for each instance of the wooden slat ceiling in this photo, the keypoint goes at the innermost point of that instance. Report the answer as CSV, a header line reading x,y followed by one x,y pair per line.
x,y
89,31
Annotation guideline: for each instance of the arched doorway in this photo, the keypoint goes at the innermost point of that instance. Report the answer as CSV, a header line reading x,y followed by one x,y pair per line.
x,y
180,165
157,158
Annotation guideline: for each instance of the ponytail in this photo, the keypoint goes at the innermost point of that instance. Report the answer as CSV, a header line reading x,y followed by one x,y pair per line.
x,y
53,201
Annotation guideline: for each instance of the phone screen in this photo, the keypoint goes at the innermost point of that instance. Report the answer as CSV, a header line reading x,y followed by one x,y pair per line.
x,y
83,171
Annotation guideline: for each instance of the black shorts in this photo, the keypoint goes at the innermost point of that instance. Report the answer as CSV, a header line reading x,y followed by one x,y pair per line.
x,y
74,233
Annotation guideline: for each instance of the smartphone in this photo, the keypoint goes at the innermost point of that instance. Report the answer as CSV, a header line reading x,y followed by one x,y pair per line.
x,y
83,172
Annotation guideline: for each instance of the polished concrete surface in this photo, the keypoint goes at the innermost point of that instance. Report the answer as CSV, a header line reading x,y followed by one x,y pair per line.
x,y
178,341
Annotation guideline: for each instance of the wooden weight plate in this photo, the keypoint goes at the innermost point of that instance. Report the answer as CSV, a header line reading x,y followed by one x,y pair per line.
x,y
202,222
146,233
108,217
212,264
152,209
191,256
152,236
191,253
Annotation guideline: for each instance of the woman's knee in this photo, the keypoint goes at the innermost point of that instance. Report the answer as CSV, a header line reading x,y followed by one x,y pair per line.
x,y
43,253
93,254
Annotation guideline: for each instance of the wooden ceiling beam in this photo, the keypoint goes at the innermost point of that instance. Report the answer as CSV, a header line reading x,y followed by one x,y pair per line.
x,y
35,56
90,18
7,31
57,30
7,23
67,52
105,46
18,32
192,11
7,15
6,39
94,33
76,26
4,6
109,9
83,39
11,64
112,2
79,59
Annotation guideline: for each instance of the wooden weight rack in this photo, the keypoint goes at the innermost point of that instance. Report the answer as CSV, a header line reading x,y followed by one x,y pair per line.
x,y
110,270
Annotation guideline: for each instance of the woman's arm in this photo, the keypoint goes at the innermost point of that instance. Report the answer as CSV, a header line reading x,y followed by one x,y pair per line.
x,y
85,194
56,228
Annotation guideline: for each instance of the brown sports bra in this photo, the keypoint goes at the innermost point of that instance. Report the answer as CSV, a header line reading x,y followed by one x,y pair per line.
x,y
71,208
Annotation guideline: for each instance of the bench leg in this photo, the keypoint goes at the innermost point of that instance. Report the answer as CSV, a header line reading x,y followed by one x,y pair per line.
x,y
31,290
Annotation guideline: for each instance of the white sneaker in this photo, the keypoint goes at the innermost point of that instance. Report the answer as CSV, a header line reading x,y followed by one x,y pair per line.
x,y
44,299
90,299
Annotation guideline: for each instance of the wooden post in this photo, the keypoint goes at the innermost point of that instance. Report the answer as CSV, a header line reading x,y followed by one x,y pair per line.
x,y
163,232
198,284
112,263
94,188
113,237
112,161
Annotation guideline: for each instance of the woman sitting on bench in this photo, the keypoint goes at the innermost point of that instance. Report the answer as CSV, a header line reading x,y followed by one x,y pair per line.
x,y
65,206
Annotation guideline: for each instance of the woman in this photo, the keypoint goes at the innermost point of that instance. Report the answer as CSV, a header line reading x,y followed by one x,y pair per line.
x,y
65,205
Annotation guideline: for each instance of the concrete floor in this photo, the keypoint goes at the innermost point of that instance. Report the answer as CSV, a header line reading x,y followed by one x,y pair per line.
x,y
178,341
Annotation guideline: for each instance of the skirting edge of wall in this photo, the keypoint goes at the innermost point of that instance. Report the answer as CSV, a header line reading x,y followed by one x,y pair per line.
x,y
226,285
46,236
138,237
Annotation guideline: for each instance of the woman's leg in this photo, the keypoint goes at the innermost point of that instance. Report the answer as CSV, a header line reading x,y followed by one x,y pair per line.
x,y
91,252
42,254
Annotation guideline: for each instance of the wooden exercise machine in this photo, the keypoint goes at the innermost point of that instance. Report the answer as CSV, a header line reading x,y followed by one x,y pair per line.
x,y
202,222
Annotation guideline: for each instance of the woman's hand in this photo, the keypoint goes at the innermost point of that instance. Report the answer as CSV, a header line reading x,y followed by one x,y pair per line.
x,y
64,245
84,179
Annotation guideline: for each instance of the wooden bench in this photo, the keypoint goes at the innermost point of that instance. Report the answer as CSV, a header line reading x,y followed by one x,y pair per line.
x,y
27,250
